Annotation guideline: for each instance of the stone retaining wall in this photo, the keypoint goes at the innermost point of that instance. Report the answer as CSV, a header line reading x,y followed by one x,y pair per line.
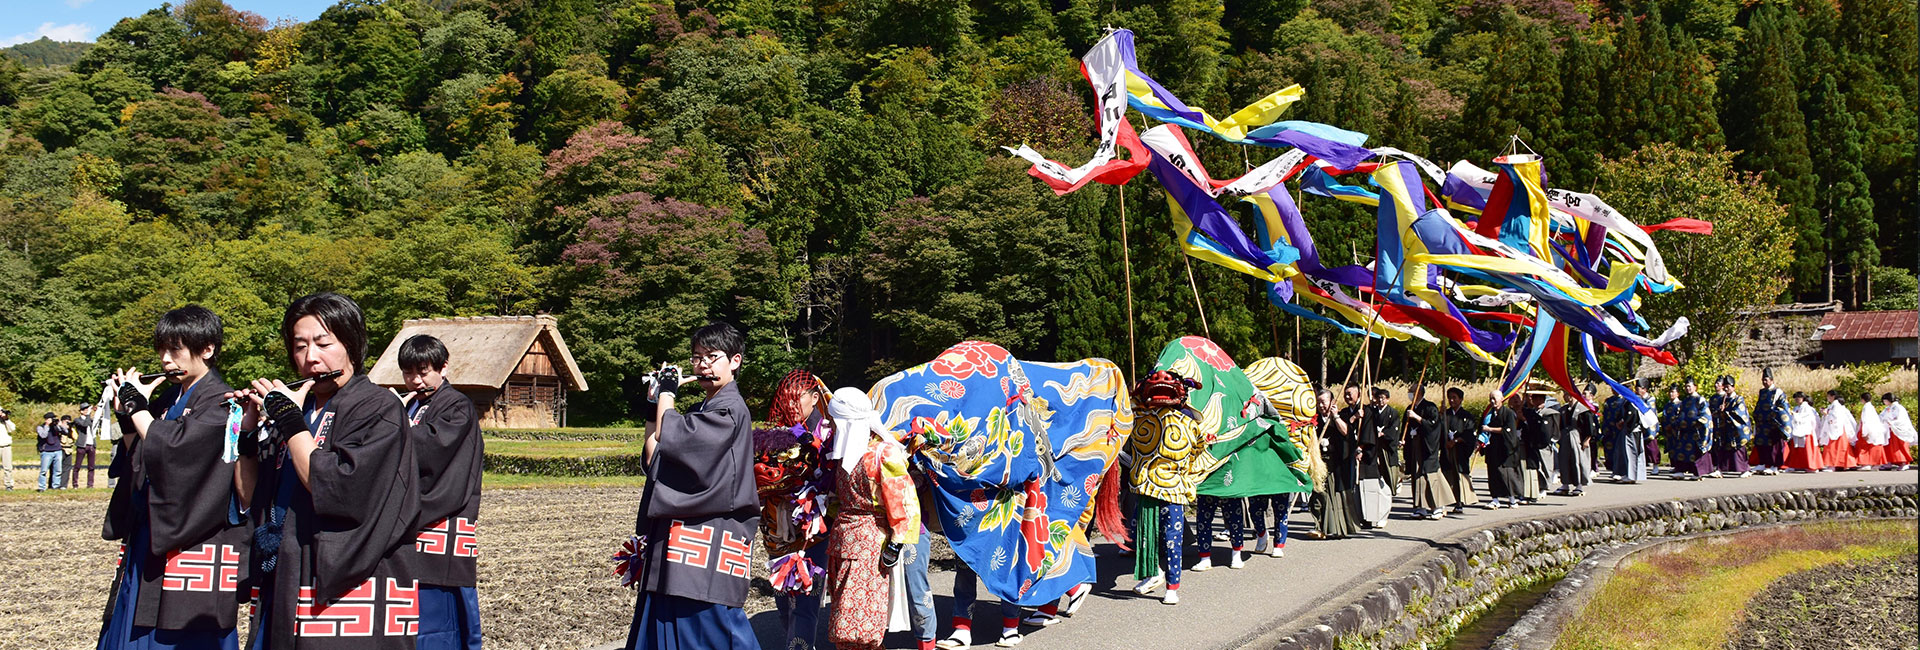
x,y
1466,576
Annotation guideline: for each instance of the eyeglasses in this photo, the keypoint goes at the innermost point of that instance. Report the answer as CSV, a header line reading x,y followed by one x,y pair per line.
x,y
709,358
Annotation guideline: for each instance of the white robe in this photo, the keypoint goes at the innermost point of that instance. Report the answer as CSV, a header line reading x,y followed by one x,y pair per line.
x,y
1838,424
1872,428
1899,423
1806,426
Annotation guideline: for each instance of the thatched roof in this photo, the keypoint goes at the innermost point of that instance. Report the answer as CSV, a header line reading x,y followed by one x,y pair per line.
x,y
484,350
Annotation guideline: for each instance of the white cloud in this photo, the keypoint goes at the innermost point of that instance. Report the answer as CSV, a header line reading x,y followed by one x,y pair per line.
x,y
67,32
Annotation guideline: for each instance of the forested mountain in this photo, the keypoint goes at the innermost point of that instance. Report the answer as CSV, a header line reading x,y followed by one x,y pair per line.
x,y
46,53
827,174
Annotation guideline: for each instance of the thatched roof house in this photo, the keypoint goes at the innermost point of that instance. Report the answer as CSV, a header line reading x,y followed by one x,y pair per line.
x,y
515,368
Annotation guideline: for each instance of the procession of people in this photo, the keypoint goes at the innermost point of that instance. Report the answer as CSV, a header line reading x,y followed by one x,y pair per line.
x,y
345,514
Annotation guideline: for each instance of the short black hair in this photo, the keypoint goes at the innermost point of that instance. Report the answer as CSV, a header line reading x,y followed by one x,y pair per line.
x,y
1835,394
1382,392
1800,394
339,314
1886,397
192,327
66,417
721,337
423,350
1456,392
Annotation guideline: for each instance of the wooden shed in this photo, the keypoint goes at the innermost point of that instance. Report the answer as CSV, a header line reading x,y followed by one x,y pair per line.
x,y
1870,337
516,369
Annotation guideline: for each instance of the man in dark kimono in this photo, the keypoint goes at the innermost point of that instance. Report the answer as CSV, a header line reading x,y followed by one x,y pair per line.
x,y
1572,456
1692,451
1456,459
1426,437
1392,435
1539,430
334,495
178,581
447,445
1732,430
1625,438
1504,452
1772,422
700,512
1337,512
1376,466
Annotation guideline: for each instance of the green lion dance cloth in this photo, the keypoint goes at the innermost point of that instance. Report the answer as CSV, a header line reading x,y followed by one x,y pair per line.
x,y
1290,391
1017,451
1221,444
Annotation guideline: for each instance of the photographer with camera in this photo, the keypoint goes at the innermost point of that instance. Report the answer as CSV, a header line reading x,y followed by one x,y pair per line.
x,y
700,511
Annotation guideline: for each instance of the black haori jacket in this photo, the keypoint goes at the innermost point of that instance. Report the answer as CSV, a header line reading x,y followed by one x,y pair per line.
x,y
700,512
1426,439
447,445
189,579
341,581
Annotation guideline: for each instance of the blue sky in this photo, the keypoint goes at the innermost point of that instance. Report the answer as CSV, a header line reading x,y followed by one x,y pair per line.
x,y
84,20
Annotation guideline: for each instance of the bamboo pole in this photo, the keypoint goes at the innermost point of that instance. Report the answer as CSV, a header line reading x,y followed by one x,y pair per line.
x,y
1188,260
1126,264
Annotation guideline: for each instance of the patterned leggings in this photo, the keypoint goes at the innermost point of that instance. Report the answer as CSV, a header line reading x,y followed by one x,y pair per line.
x,y
1282,504
1203,522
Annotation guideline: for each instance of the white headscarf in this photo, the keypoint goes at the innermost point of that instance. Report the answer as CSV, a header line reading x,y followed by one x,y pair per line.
x,y
1872,427
1838,423
1897,421
1806,426
853,421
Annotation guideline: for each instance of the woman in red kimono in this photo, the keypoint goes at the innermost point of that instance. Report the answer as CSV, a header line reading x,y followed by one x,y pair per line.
x,y
879,518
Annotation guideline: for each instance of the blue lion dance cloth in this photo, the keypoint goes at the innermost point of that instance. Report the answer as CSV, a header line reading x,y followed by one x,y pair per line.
x,y
1018,452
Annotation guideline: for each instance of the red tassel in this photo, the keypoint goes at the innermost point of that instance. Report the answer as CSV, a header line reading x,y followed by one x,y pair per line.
x,y
1106,508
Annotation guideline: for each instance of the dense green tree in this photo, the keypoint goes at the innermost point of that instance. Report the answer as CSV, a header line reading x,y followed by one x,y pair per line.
x,y
1749,250
1583,70
152,43
1845,191
1519,98
1765,125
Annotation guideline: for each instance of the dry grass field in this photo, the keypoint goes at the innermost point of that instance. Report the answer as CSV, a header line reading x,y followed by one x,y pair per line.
x,y
545,578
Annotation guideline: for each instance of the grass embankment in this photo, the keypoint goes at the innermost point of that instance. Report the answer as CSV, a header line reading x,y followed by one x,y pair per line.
x,y
1693,595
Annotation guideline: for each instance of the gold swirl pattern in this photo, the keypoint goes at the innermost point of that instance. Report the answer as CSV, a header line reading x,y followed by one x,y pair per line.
x,y
1286,385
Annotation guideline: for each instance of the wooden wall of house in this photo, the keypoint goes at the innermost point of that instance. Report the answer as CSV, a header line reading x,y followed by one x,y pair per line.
x,y
1834,353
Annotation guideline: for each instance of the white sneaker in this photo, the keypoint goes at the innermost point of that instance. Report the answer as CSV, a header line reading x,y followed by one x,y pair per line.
x,y
1204,564
1277,551
1041,619
1009,638
1238,562
1746,474
1147,585
1172,597
959,640
1262,543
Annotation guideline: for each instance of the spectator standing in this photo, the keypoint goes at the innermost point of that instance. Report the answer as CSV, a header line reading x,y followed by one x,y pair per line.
x,y
48,434
66,451
6,446
83,447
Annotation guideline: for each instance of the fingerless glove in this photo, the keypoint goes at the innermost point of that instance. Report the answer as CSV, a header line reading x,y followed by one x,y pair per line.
x,y
131,401
285,416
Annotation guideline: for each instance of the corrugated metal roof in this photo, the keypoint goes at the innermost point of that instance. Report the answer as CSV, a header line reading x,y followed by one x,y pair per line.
x,y
482,350
1864,325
